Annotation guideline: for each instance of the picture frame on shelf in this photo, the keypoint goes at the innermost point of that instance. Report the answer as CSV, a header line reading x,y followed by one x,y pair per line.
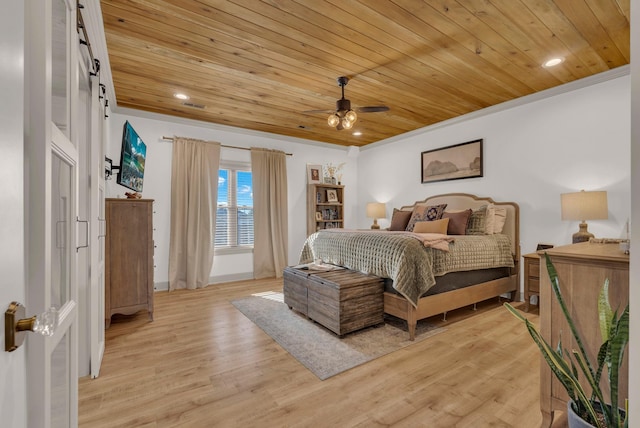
x,y
318,216
332,195
314,174
455,162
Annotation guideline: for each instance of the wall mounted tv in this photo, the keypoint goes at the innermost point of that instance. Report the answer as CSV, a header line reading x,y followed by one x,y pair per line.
x,y
132,159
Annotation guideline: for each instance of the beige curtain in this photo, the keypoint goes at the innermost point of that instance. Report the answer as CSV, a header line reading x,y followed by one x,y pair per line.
x,y
270,212
194,195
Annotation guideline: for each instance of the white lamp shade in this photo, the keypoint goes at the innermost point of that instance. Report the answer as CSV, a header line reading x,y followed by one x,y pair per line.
x,y
584,206
376,210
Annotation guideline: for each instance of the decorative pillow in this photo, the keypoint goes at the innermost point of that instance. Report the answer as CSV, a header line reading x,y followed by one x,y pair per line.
x,y
477,222
400,219
496,217
434,226
500,219
457,221
425,213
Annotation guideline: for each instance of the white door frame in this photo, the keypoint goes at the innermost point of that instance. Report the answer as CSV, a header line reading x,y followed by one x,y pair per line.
x,y
13,406
97,231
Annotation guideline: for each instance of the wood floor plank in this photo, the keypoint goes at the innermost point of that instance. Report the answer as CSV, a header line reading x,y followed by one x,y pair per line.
x,y
201,363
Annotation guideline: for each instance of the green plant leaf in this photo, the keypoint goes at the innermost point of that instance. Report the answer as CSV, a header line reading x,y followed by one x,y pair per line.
x,y
605,314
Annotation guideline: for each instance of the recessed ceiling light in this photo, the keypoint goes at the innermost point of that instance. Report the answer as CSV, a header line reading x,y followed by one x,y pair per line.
x,y
357,133
553,62
181,96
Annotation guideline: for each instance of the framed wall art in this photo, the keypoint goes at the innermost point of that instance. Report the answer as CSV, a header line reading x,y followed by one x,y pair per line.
x,y
314,174
452,162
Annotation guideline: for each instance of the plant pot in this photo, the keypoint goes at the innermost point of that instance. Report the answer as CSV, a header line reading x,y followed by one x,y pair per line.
x,y
575,421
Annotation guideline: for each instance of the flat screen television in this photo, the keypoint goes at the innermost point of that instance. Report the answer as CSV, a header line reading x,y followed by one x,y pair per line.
x,y
132,159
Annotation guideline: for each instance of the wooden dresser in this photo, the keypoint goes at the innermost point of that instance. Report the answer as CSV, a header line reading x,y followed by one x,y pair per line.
x,y
129,257
582,269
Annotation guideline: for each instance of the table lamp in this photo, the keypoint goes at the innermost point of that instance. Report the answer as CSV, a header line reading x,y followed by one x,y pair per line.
x,y
376,210
584,206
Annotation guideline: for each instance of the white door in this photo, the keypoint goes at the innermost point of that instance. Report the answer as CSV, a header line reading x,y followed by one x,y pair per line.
x,y
51,214
13,407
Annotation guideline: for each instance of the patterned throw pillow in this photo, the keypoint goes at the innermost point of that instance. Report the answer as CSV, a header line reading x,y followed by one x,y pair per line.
x,y
477,222
425,213
399,220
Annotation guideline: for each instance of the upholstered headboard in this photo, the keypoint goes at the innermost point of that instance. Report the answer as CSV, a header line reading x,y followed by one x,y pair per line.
x,y
461,201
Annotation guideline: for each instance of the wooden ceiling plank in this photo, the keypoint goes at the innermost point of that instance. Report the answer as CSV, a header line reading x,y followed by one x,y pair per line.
x,y
453,64
551,24
615,20
154,37
407,16
477,37
516,22
463,94
259,64
137,55
212,102
134,53
582,17
226,107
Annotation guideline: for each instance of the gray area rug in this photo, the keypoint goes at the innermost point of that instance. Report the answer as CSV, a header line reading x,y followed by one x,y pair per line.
x,y
317,348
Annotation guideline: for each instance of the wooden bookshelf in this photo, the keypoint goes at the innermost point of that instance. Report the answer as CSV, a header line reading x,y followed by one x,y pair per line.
x,y
325,207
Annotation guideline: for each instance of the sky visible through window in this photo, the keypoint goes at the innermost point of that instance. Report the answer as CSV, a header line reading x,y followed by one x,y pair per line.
x,y
244,188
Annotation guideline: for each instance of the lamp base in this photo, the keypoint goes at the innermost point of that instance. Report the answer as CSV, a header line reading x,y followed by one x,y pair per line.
x,y
375,224
582,235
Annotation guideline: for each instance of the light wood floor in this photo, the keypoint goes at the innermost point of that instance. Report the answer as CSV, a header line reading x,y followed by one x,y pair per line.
x,y
201,363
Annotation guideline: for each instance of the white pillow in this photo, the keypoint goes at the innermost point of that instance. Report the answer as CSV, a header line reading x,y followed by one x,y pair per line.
x,y
496,217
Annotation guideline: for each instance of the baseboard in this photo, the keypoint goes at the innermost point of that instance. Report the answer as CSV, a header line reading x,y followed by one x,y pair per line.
x,y
219,279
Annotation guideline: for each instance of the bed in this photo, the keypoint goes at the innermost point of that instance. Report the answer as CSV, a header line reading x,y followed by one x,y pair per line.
x,y
424,282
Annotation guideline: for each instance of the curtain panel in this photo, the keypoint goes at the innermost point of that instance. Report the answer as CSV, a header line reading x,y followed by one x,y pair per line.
x,y
270,212
194,194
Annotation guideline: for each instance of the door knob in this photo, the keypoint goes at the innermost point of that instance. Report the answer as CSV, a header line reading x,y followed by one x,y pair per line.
x,y
16,325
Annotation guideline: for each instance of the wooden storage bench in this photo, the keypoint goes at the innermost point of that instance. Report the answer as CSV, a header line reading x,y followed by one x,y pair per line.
x,y
341,300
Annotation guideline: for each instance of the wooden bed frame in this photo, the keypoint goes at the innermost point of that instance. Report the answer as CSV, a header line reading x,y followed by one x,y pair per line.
x,y
398,306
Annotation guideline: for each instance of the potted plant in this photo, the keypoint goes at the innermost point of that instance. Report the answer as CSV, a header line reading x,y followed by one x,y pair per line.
x,y
566,365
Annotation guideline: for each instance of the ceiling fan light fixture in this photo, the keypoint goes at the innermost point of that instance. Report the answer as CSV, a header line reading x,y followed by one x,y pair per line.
x,y
351,116
346,124
333,120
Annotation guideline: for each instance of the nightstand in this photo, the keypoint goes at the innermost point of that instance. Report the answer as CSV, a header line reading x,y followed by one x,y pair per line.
x,y
531,278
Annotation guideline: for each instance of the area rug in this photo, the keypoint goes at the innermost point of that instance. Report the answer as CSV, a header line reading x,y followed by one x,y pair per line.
x,y
317,348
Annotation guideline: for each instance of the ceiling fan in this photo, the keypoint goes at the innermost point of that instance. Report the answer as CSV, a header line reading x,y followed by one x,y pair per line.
x,y
344,116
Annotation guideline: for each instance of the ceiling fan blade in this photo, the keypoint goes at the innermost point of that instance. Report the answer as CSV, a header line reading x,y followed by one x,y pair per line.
x,y
371,109
319,111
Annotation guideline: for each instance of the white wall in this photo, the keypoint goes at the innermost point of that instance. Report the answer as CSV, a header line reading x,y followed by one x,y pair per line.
x,y
532,154
157,180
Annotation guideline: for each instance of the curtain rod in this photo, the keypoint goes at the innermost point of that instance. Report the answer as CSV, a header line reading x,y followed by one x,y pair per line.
x,y
221,145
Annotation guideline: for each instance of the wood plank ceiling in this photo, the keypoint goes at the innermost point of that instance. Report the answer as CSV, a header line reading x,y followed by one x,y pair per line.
x,y
262,65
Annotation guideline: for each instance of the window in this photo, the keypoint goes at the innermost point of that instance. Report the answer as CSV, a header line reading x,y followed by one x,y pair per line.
x,y
234,215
